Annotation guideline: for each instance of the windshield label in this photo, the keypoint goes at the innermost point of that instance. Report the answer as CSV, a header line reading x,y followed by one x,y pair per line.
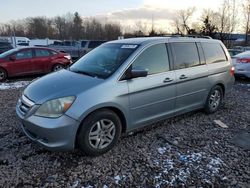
x,y
129,46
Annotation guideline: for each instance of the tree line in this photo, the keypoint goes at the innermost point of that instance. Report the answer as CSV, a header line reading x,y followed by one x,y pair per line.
x,y
69,26
214,23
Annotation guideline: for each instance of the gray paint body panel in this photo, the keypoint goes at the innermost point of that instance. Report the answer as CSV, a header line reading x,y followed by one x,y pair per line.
x,y
141,100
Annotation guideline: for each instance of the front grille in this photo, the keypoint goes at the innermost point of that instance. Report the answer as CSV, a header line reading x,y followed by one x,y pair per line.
x,y
25,104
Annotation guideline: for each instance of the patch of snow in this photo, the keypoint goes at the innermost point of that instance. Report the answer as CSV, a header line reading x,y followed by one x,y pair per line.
x,y
14,85
89,186
214,165
246,85
162,150
119,178
176,171
105,186
75,184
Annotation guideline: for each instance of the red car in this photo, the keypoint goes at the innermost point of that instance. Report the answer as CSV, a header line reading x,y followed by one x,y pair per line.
x,y
31,60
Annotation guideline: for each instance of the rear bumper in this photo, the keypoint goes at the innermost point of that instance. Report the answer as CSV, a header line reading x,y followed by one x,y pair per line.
x,y
54,134
242,74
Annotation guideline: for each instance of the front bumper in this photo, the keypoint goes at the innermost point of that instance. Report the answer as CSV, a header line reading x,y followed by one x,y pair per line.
x,y
54,134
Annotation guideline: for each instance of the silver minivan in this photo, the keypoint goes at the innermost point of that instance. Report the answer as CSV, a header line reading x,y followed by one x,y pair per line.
x,y
121,86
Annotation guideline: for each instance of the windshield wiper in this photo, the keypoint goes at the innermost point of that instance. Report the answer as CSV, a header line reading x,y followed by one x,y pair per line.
x,y
84,73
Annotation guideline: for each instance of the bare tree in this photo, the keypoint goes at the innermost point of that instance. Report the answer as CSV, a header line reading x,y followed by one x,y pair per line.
x,y
210,22
182,21
228,20
246,9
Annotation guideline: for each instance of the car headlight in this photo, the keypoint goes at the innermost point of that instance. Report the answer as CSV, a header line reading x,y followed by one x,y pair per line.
x,y
55,108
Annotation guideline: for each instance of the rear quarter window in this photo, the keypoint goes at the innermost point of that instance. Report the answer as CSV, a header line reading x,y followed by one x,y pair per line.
x,y
213,52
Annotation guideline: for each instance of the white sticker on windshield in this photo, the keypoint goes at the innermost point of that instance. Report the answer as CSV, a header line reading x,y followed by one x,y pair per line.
x,y
130,46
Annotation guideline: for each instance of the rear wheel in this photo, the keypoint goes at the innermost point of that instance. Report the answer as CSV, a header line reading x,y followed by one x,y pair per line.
x,y
57,67
3,75
214,99
99,132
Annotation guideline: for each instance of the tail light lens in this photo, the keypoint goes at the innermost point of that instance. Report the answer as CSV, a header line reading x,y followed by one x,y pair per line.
x,y
243,60
232,71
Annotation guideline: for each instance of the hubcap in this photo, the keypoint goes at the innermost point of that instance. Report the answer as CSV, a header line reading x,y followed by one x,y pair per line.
x,y
58,67
1,75
214,100
102,133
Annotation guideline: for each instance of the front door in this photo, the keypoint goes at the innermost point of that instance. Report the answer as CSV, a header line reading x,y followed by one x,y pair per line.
x,y
22,63
153,97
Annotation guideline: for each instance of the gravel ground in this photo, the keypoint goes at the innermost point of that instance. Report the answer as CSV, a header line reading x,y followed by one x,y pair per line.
x,y
189,150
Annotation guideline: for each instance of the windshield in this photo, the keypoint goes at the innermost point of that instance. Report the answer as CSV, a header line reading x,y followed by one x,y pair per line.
x,y
5,54
104,60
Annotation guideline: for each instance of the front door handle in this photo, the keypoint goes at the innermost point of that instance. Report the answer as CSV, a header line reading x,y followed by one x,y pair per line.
x,y
167,80
183,76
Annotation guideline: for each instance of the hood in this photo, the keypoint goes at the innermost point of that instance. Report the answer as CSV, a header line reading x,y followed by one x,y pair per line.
x,y
59,84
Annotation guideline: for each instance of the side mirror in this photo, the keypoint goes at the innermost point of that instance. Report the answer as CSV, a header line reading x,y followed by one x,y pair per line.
x,y
13,58
138,72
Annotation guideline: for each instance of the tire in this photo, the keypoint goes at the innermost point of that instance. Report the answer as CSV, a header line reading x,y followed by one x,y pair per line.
x,y
99,132
3,75
214,99
57,67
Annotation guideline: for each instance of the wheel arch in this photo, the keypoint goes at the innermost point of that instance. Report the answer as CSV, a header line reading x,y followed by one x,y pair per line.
x,y
222,87
116,110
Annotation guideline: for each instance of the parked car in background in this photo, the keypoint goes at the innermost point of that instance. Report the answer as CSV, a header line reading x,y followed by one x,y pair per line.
x,y
121,86
5,46
76,48
31,60
88,45
234,52
241,62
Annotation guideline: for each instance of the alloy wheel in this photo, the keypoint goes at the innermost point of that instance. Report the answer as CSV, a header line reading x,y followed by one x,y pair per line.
x,y
101,134
215,99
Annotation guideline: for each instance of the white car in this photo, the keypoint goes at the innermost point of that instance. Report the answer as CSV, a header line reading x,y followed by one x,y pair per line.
x,y
241,62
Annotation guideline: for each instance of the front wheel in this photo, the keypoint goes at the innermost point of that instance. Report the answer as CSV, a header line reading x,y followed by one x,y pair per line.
x,y
3,75
214,99
99,132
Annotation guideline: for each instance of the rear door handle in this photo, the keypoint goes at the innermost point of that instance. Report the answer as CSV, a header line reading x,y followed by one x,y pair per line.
x,y
167,80
183,77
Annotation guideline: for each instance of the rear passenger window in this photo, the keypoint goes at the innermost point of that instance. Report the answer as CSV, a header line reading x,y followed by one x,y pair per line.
x,y
154,59
185,55
42,53
213,52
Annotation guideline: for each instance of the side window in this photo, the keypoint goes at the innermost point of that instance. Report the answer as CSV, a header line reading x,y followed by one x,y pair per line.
x,y
24,54
53,52
213,52
185,55
83,44
154,59
42,53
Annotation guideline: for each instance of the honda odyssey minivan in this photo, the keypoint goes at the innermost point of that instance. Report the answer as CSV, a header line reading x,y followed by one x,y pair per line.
x,y
121,86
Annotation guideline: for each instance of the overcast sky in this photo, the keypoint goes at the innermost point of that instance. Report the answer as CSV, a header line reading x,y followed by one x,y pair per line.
x,y
126,11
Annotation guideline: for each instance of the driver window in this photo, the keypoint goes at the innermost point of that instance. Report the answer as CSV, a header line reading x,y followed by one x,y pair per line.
x,y
24,54
154,59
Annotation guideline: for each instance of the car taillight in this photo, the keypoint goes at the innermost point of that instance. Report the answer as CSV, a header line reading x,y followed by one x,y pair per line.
x,y
243,60
232,71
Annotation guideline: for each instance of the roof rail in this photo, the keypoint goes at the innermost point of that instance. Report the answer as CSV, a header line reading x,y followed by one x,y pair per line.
x,y
191,36
199,36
